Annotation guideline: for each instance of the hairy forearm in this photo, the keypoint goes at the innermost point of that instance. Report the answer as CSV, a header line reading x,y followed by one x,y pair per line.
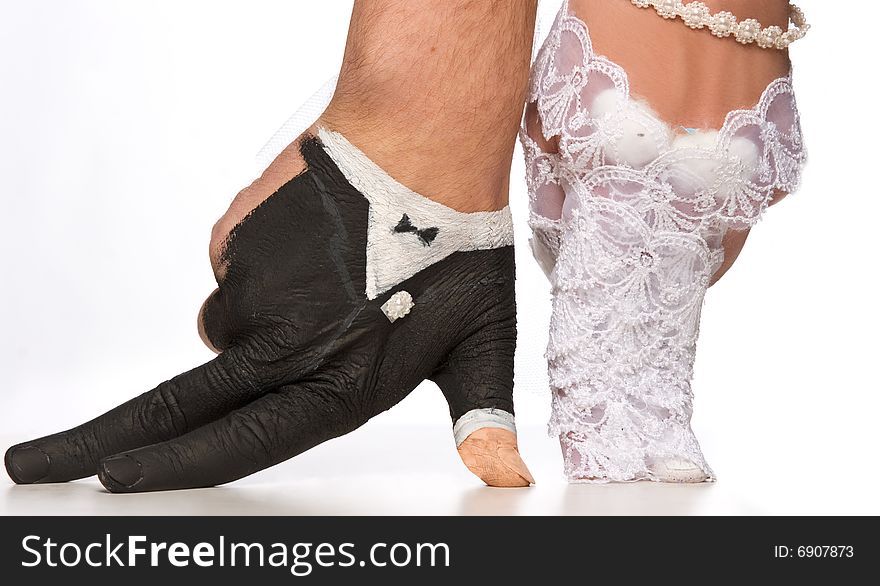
x,y
433,91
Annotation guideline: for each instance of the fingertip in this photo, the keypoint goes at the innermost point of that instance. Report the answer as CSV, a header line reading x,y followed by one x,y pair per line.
x,y
120,473
513,460
26,464
491,454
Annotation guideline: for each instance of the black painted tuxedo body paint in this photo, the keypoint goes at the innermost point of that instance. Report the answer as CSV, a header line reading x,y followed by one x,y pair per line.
x,y
307,352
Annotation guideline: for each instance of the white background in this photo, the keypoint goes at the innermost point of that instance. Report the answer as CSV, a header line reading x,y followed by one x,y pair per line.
x,y
126,129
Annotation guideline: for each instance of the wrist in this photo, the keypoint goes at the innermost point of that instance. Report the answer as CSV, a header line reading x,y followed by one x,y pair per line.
x,y
455,171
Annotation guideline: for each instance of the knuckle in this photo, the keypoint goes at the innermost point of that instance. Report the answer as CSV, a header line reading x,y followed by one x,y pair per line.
x,y
248,436
162,412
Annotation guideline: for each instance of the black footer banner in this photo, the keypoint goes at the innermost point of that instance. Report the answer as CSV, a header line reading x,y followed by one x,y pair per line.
x,y
464,550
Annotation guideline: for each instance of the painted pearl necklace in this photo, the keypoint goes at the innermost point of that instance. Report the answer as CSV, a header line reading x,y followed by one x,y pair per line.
x,y
696,15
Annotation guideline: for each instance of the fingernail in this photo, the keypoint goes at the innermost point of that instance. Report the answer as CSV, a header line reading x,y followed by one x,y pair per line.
x,y
122,470
27,464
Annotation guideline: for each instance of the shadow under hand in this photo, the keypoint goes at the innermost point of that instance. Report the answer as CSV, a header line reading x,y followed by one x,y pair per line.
x,y
489,501
308,497
636,498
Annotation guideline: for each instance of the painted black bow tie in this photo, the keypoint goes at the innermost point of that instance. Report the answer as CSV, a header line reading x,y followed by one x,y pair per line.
x,y
426,235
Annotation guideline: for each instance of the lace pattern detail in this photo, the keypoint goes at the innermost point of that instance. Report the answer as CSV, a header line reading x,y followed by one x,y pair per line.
x,y
628,219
